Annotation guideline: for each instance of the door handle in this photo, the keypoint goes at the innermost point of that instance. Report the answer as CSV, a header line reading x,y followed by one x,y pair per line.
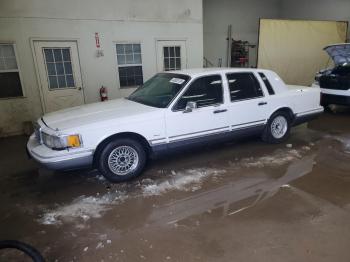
x,y
220,111
80,88
262,103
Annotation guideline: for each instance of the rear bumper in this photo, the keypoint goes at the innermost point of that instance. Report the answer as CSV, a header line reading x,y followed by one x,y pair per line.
x,y
327,99
304,117
58,160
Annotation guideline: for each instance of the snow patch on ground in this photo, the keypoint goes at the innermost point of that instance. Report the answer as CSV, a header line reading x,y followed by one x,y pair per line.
x,y
82,208
188,180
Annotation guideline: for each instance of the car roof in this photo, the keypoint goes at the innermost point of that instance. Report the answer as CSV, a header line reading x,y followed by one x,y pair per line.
x,y
194,72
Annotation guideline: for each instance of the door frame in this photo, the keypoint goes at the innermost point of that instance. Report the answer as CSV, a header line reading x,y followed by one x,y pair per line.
x,y
32,41
174,39
204,133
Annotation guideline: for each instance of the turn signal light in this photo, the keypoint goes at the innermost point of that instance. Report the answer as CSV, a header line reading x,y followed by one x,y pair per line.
x,y
73,141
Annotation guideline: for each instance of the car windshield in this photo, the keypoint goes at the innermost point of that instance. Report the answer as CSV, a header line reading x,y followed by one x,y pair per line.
x,y
160,90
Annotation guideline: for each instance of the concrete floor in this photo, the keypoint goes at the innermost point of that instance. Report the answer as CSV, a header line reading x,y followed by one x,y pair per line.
x,y
245,201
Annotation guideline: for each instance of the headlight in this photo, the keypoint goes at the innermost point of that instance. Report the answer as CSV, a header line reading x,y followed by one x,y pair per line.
x,y
59,142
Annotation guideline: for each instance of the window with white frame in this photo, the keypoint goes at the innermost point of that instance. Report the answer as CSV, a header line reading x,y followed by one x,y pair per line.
x,y
10,82
129,64
172,58
59,68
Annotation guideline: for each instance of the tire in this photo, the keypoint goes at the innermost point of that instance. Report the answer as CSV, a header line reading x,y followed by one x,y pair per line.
x,y
277,129
122,160
25,248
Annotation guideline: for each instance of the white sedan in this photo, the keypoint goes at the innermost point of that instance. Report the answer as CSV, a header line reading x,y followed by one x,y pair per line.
x,y
171,110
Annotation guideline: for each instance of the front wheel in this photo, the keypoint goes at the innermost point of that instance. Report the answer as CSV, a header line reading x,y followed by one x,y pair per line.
x,y
121,160
277,129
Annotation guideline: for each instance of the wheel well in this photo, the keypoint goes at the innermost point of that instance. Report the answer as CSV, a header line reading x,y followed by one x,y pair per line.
x,y
288,111
143,141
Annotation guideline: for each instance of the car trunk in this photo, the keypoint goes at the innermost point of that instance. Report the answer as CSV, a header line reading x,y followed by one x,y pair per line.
x,y
339,77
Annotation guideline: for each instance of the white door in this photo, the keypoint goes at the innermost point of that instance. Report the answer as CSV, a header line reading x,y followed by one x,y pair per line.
x,y
59,72
171,55
208,119
248,106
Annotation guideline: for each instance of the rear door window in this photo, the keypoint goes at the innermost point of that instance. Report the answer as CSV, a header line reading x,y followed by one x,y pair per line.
x,y
243,86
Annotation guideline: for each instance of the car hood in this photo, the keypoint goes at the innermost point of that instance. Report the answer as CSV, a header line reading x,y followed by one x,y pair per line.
x,y
95,112
340,53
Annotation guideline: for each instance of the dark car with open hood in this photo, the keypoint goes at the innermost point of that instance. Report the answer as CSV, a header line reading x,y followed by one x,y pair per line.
x,y
335,82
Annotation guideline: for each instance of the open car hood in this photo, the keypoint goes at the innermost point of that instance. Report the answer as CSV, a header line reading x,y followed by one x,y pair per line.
x,y
340,53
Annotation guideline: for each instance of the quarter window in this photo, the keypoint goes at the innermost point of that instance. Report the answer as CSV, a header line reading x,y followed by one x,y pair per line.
x,y
243,86
205,91
267,84
129,64
10,83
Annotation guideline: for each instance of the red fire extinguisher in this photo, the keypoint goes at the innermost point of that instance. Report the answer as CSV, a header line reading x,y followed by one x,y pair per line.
x,y
103,93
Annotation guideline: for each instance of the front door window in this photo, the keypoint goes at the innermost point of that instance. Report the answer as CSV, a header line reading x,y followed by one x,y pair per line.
x,y
205,91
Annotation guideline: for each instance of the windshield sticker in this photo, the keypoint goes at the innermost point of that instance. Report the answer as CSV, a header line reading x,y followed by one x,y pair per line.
x,y
177,80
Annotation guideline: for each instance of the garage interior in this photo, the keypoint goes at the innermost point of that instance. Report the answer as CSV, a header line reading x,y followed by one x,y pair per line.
x,y
238,201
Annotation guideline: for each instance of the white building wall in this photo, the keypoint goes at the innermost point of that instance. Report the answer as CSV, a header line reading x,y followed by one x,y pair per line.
x,y
142,21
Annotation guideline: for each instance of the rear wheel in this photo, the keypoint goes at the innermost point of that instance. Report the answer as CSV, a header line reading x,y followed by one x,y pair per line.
x,y
278,128
121,160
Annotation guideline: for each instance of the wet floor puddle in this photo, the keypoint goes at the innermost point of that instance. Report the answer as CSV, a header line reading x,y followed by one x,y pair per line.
x,y
88,212
193,191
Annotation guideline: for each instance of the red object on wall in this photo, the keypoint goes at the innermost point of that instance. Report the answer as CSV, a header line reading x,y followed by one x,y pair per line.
x,y
103,93
97,40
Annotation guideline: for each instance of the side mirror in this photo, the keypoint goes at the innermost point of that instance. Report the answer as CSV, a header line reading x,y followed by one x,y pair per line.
x,y
190,106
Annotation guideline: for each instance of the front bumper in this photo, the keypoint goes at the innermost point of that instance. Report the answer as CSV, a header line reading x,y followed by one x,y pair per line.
x,y
59,160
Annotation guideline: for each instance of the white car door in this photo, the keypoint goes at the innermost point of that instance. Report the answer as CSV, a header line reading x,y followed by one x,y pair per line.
x,y
248,106
209,118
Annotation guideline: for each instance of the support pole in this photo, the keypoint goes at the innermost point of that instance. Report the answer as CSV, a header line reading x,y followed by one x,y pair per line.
x,y
229,45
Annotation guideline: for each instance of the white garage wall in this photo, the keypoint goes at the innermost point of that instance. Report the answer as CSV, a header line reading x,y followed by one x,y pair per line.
x,y
115,20
316,10
244,18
